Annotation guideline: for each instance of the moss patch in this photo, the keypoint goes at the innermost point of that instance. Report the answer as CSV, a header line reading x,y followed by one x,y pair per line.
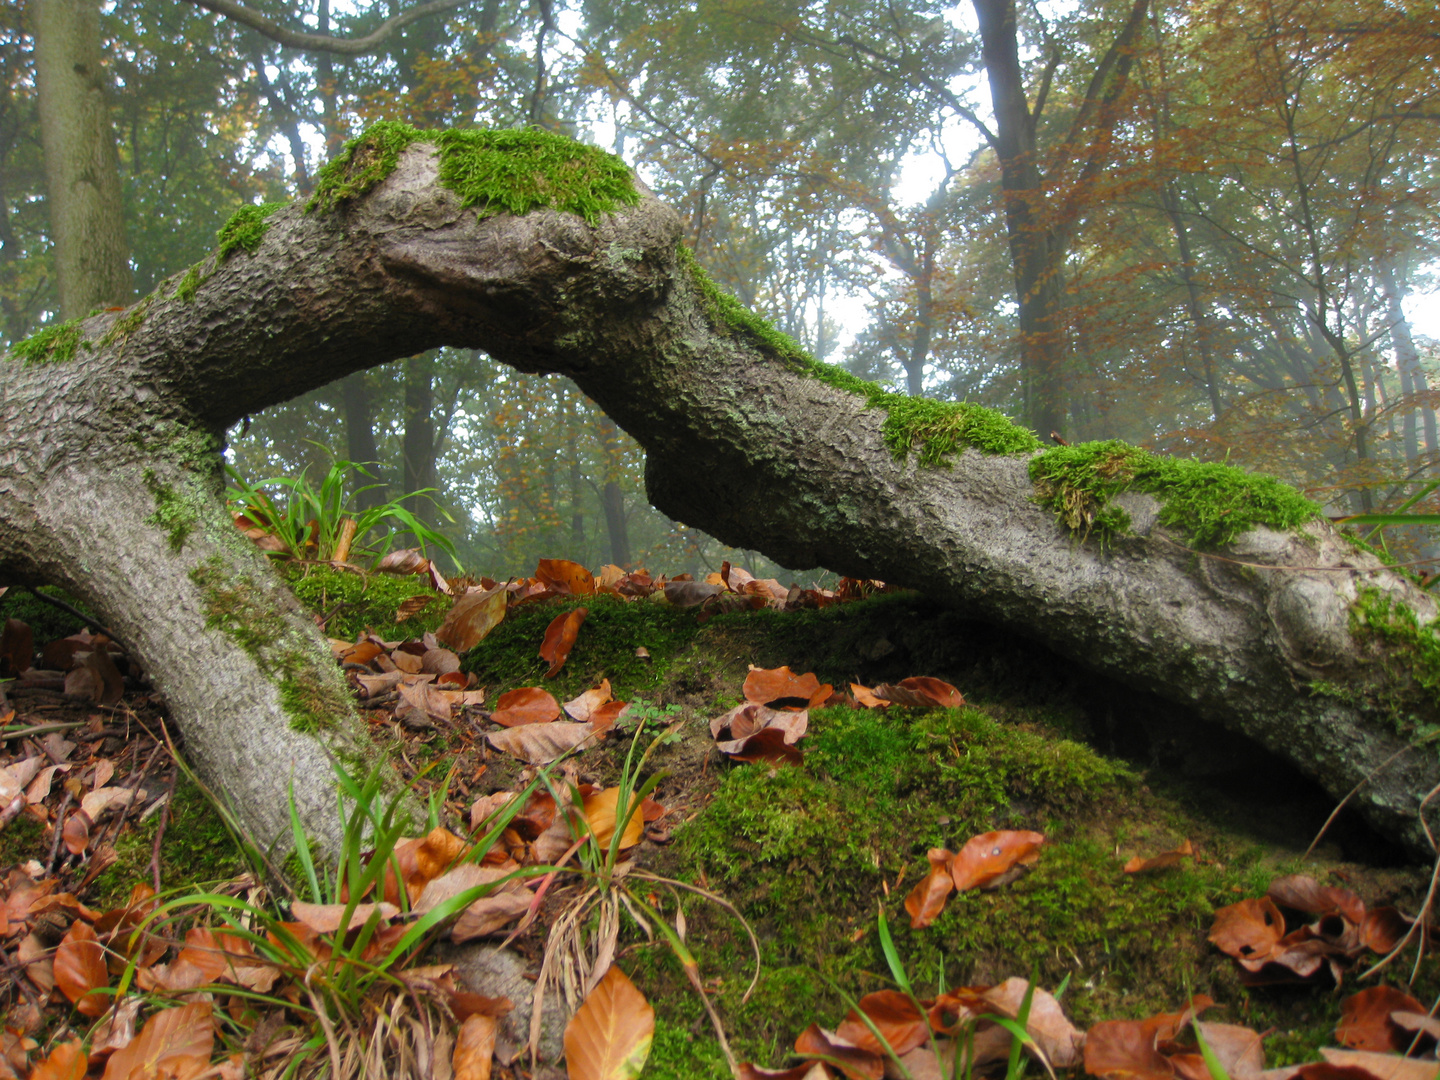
x,y
313,697
356,603
128,323
508,171
1376,613
1213,503
174,514
245,229
605,647
52,345
935,430
189,284
197,849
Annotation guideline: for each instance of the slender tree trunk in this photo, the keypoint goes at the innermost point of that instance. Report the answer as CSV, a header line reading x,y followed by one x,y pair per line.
x,y
419,443
1407,358
360,441
82,171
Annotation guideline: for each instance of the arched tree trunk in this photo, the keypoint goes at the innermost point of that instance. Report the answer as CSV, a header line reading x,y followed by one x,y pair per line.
x,y
108,487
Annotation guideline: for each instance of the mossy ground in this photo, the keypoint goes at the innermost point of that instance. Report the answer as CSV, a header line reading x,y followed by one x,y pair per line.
x,y
808,854
197,850
355,603
46,621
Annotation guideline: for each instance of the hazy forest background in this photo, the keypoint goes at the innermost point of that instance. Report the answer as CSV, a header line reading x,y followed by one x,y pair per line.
x,y
1190,225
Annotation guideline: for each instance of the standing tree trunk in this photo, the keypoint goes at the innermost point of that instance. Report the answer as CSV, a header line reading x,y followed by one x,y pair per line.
x,y
109,486
1039,224
82,173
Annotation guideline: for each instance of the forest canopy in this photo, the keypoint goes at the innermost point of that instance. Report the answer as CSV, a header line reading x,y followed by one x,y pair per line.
x,y
1193,227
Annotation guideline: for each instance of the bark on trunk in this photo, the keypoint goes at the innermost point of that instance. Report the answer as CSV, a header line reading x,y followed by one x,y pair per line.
x,y
82,172
107,486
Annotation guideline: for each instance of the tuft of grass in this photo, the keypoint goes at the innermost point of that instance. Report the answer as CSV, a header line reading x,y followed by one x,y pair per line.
x,y
1213,503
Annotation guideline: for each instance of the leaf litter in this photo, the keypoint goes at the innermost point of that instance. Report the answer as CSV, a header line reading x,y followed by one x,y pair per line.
x,y
68,952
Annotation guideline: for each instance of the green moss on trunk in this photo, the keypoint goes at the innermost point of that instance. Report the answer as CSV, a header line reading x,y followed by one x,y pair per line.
x,y
508,171
53,345
245,229
312,696
1213,503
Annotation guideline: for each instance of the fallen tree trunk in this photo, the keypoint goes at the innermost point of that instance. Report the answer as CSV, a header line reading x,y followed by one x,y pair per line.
x,y
110,483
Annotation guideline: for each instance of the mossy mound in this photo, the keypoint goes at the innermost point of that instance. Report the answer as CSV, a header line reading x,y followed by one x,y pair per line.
x,y
353,603
807,855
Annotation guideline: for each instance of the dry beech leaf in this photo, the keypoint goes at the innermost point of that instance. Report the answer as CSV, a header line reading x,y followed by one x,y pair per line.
x,y
174,1043
855,1063
922,692
490,914
14,778
325,918
866,698
526,705
564,576
995,858
80,969
808,1070
766,685
403,561
894,1016
97,802
1248,930
1382,1066
927,900
583,707
1164,861
412,607
1304,893
1365,1022
474,1048
68,1061
474,615
560,638
1240,1049
686,594
454,882
540,744
609,1036
76,832
1123,1047
600,813
1059,1040
17,647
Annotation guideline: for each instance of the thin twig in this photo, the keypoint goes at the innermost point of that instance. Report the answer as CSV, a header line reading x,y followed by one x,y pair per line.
x,y
1420,918
160,829
59,830
1350,795
88,620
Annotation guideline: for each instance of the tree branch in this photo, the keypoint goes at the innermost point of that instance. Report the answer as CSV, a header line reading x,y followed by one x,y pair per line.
x,y
294,39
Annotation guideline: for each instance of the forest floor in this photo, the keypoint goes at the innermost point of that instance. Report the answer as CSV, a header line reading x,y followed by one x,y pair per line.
x,y
804,857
